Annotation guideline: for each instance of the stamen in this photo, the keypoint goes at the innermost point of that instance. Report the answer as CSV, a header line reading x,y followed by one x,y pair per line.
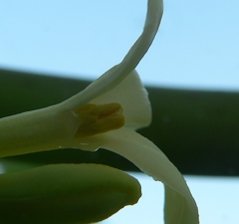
x,y
96,119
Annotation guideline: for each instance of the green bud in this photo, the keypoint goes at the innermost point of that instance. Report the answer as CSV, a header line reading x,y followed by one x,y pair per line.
x,y
65,193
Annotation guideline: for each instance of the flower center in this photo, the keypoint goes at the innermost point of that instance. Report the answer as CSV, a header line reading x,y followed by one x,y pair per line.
x,y
96,119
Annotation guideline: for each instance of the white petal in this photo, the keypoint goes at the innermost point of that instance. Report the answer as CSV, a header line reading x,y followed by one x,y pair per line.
x,y
133,97
119,72
180,206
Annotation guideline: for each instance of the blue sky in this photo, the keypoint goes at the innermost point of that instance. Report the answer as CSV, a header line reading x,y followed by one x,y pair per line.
x,y
217,199
196,47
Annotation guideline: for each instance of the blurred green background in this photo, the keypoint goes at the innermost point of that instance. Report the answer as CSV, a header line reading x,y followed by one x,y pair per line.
x,y
197,129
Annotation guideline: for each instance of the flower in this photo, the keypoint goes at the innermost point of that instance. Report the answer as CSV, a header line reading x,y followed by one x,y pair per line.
x,y
130,94
106,115
114,117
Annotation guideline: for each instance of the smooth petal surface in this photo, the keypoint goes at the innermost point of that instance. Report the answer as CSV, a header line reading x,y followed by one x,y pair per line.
x,y
180,206
133,97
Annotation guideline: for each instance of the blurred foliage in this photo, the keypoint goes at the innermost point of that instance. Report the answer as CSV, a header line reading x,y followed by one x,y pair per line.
x,y
197,129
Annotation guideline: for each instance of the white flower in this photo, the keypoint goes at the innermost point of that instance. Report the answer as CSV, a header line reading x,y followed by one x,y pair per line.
x,y
180,206
107,114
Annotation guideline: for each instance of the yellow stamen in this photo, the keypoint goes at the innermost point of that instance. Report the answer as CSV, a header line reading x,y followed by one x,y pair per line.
x,y
96,119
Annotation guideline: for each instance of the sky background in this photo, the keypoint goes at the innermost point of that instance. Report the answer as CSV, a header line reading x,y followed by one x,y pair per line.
x,y
196,47
197,44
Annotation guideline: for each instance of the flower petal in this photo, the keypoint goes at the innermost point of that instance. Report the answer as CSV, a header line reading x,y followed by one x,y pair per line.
x,y
133,97
180,206
119,72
